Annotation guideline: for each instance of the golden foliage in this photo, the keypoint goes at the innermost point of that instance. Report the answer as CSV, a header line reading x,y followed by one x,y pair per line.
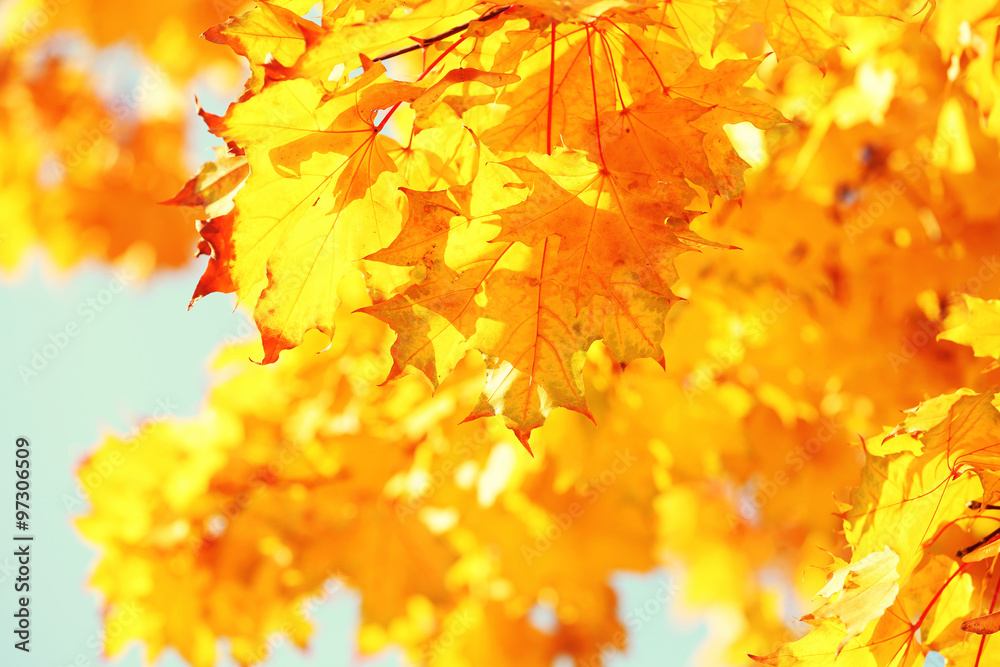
x,y
487,210
574,139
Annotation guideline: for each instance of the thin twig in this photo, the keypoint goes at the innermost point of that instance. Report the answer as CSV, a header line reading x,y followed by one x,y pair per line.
x,y
423,43
976,505
969,549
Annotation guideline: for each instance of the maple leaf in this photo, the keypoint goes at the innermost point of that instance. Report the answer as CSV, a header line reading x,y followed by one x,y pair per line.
x,y
793,27
603,220
858,593
267,33
216,234
910,493
863,591
535,348
435,317
903,500
322,194
476,299
358,32
908,497
304,179
979,332
718,89
213,188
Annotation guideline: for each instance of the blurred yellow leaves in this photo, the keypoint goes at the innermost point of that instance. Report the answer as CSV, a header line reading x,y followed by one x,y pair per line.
x,y
167,33
80,171
91,146
916,504
309,470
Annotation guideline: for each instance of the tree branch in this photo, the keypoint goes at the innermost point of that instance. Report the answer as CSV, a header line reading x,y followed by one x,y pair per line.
x,y
423,43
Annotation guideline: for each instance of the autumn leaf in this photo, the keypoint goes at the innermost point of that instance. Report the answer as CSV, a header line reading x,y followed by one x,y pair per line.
x,y
534,348
857,594
863,592
267,33
435,317
979,332
602,220
213,188
304,179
